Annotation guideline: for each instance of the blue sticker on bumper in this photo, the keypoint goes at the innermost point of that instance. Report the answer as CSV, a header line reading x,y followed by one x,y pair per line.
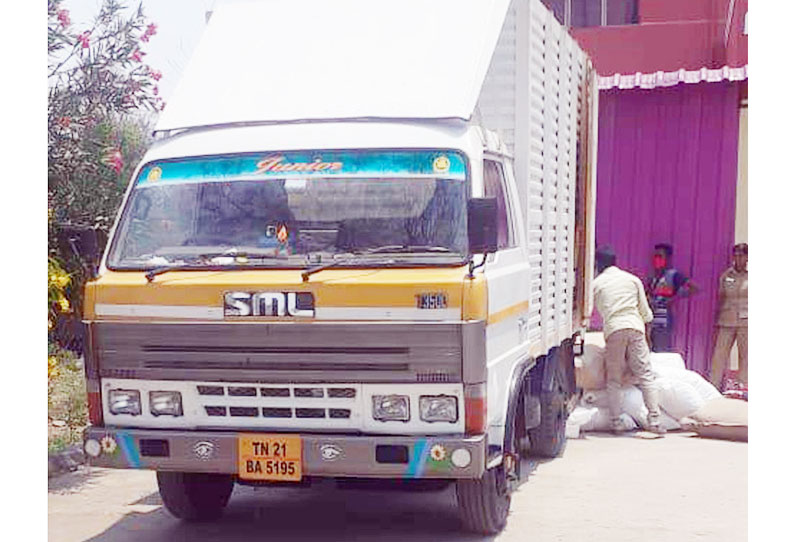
x,y
417,465
130,450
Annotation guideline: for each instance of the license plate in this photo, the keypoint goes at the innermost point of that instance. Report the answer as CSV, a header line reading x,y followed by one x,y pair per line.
x,y
269,457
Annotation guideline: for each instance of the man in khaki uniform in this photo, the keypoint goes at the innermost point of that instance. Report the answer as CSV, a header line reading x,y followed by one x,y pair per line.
x,y
732,318
620,299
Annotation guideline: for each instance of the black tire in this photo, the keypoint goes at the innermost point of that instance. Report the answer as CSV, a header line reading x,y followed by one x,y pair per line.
x,y
195,496
484,503
548,439
521,441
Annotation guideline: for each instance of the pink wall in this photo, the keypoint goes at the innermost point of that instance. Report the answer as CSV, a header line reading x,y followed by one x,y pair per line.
x,y
676,10
737,40
672,34
667,161
649,48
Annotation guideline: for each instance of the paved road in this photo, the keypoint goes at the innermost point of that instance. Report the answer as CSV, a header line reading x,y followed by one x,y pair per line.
x,y
603,488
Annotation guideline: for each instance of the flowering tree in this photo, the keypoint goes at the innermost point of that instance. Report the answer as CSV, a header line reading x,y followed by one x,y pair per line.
x,y
102,96
100,91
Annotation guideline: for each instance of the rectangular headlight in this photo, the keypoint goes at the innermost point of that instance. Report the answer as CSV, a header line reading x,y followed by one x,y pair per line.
x,y
124,402
165,403
391,408
438,408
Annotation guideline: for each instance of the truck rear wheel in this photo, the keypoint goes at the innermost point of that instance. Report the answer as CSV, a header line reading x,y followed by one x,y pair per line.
x,y
548,439
484,503
195,496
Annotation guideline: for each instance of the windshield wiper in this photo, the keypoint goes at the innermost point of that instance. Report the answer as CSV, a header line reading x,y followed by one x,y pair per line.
x,y
393,249
152,273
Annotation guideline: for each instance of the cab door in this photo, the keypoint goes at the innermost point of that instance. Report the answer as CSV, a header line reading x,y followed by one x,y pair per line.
x,y
507,275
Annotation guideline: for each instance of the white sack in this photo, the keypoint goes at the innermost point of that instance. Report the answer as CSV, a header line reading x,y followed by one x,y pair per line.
x,y
670,360
591,368
678,398
668,422
663,371
581,415
634,405
595,398
572,431
576,419
601,421
631,402
705,389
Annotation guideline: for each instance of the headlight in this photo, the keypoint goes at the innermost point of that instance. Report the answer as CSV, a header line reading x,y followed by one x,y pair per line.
x,y
124,402
438,408
165,403
391,408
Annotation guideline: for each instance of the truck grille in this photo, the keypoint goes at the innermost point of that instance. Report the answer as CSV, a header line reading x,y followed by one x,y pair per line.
x,y
248,353
276,405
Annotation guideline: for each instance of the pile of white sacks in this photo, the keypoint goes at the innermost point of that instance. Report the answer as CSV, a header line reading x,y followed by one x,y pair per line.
x,y
681,393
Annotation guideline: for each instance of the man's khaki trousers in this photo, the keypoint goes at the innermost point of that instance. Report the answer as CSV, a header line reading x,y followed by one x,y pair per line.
x,y
628,347
726,336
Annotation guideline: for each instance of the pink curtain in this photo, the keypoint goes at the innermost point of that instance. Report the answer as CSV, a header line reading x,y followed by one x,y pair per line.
x,y
667,162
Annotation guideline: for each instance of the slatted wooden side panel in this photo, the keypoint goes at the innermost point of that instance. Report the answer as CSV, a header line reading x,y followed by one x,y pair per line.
x,y
556,78
548,79
537,167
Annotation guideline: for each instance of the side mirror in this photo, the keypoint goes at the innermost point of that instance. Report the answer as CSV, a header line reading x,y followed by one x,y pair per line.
x,y
85,243
483,235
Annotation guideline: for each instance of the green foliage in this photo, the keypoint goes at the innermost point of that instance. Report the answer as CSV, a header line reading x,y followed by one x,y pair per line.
x,y
66,400
102,96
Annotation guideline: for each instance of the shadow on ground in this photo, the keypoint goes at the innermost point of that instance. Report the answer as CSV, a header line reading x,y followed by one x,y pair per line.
x,y
72,482
322,512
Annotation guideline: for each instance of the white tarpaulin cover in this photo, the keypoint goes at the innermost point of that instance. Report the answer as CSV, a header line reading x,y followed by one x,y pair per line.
x,y
281,60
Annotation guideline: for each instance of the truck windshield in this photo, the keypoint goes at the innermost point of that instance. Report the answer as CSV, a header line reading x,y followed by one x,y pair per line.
x,y
294,209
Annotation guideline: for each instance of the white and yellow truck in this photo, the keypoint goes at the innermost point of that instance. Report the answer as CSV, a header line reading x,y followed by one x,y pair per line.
x,y
359,247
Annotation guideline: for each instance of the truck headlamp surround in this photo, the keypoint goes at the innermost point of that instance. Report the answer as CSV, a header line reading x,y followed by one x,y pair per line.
x,y
438,408
124,402
391,408
165,403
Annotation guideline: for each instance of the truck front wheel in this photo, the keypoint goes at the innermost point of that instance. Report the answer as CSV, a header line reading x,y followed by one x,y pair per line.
x,y
195,496
484,503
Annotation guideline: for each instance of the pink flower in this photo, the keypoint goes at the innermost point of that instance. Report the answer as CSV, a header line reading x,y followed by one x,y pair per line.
x,y
156,75
65,121
156,90
145,37
162,105
137,55
114,160
63,17
151,30
84,39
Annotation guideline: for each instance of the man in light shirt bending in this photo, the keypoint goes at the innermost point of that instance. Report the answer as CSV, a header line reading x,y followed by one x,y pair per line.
x,y
620,299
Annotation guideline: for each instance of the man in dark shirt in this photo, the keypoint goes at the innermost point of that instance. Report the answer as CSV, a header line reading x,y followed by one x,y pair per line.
x,y
664,286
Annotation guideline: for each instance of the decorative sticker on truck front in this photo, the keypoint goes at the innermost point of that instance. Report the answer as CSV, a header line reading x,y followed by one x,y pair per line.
x,y
286,165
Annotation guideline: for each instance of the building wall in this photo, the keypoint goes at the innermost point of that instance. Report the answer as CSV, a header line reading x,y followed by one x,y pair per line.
x,y
650,48
667,163
741,181
670,35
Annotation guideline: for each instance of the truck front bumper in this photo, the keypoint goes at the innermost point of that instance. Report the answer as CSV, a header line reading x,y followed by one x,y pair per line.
x,y
323,455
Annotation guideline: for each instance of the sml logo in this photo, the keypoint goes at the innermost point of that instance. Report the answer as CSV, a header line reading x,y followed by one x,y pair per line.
x,y
299,304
